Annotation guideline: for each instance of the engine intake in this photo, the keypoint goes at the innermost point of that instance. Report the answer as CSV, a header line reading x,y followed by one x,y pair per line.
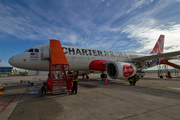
x,y
120,70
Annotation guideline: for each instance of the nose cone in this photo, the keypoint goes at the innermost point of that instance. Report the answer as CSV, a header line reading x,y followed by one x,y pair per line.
x,y
11,61
18,60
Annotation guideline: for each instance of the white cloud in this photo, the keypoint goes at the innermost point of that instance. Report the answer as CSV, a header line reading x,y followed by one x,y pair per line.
x,y
109,3
72,38
139,4
97,28
148,36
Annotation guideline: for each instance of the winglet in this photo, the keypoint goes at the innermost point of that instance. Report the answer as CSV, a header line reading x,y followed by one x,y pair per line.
x,y
158,48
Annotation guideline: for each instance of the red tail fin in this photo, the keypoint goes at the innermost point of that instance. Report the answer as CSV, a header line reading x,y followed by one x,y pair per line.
x,y
158,48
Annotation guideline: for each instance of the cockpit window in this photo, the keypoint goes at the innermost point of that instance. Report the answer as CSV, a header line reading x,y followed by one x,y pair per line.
x,y
30,50
36,50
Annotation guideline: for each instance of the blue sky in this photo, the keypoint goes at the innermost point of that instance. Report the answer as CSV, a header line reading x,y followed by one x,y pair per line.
x,y
123,25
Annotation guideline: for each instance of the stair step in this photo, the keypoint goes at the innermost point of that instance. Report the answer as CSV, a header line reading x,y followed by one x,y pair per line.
x,y
59,88
60,80
59,84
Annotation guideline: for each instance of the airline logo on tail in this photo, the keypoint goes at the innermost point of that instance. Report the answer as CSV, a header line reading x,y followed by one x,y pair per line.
x,y
127,70
158,48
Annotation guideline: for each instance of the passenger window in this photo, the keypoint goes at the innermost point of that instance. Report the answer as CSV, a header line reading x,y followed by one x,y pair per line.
x,y
30,50
36,50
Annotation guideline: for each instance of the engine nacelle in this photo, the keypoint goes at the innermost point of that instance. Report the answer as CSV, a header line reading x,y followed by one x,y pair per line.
x,y
120,70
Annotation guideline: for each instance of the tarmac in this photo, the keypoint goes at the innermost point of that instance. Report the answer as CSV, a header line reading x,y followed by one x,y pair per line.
x,y
151,98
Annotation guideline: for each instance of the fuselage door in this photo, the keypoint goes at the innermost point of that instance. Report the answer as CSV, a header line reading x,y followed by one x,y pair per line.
x,y
45,52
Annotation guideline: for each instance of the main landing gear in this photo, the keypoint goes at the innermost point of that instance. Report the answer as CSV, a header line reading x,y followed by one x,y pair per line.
x,y
103,75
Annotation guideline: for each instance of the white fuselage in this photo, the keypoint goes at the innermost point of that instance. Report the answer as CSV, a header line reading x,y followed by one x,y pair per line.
x,y
37,58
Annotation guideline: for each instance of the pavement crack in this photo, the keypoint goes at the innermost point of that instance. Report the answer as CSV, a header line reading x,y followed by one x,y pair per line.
x,y
134,115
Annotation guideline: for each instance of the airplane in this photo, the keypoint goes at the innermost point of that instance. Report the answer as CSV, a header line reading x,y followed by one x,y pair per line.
x,y
117,64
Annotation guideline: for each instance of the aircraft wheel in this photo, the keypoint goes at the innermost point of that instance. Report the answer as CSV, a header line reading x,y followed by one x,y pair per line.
x,y
103,76
87,77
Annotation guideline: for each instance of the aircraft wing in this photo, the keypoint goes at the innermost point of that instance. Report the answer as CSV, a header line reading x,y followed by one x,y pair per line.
x,y
167,56
100,64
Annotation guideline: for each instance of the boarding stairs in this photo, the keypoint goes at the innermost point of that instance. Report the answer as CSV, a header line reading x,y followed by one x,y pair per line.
x,y
169,73
58,82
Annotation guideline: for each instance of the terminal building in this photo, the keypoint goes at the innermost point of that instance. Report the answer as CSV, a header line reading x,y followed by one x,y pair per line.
x,y
4,71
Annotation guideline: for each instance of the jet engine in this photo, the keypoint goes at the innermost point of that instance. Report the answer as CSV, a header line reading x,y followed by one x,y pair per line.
x,y
120,70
